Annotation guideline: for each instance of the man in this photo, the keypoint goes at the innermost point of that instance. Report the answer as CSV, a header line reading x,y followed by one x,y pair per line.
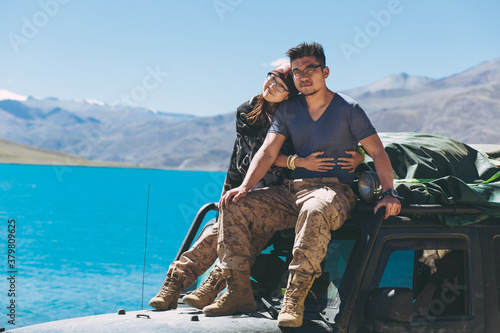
x,y
313,202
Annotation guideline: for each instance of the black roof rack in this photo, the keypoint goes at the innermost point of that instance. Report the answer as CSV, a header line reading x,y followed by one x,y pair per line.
x,y
416,209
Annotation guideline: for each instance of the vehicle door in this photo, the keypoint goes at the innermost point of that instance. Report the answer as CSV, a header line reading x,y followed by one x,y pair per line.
x,y
490,246
420,280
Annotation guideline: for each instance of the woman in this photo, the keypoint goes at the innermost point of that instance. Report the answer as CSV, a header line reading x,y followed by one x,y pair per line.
x,y
253,119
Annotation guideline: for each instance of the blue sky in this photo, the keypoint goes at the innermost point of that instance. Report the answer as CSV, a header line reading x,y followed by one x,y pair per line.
x,y
206,57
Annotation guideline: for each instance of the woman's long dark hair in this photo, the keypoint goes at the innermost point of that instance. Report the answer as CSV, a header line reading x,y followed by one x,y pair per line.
x,y
260,115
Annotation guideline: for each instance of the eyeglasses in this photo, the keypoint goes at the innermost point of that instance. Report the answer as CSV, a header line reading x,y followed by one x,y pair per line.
x,y
281,88
307,72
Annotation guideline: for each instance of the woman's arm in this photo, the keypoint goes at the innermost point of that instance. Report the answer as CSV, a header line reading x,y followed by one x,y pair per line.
x,y
322,164
351,163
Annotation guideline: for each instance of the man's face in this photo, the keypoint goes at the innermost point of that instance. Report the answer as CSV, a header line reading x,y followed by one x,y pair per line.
x,y
309,83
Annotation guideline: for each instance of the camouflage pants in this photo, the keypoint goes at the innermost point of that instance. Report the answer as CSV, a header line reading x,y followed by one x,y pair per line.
x,y
312,206
195,261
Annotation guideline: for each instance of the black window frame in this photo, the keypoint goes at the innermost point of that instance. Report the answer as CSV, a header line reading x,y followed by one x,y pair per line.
x,y
418,244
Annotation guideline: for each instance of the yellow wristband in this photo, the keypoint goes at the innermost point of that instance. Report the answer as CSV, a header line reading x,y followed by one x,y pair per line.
x,y
292,162
362,152
288,161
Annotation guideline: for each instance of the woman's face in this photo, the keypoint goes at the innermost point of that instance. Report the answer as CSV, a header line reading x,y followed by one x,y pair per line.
x,y
273,90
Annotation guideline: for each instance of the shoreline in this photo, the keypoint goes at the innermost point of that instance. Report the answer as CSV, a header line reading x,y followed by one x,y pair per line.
x,y
109,165
20,154
16,153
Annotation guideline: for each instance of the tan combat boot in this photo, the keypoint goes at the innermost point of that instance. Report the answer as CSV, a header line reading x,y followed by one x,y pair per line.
x,y
292,310
237,298
170,291
206,293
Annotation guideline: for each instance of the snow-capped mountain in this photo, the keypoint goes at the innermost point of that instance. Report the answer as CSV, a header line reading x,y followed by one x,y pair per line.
x,y
101,132
8,95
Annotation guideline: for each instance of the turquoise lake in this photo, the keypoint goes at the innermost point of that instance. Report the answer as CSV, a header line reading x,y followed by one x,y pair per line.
x,y
80,235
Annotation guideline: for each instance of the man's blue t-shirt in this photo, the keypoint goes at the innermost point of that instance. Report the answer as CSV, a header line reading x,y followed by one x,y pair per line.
x,y
340,128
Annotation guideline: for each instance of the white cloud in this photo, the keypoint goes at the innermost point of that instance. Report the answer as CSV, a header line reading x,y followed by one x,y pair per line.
x,y
279,61
95,102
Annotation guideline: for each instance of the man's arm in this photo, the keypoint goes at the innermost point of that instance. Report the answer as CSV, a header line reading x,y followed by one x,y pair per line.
x,y
375,149
258,168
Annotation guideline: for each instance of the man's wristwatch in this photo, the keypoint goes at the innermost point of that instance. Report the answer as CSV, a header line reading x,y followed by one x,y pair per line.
x,y
392,192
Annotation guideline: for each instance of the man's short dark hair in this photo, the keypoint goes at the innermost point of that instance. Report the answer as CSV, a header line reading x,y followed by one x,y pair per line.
x,y
307,50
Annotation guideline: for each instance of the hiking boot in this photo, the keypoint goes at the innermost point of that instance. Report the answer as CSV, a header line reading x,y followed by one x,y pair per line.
x,y
206,293
292,310
170,291
237,298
